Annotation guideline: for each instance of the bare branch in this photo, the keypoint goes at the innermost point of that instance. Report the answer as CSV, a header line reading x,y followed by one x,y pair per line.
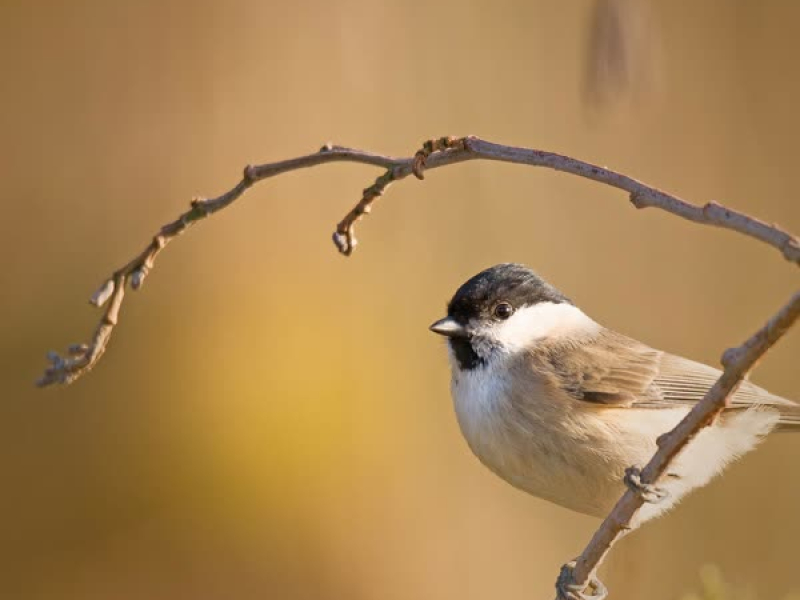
x,y
82,357
641,195
435,153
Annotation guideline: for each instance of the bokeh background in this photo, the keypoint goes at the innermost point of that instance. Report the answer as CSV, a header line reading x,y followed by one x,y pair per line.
x,y
272,420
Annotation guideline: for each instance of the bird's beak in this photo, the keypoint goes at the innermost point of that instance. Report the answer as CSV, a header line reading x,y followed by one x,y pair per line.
x,y
449,327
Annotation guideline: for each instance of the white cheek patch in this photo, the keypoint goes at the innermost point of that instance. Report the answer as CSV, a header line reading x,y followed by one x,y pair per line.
x,y
542,320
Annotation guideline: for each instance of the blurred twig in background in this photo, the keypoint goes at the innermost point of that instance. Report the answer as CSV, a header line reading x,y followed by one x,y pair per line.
x,y
621,51
575,577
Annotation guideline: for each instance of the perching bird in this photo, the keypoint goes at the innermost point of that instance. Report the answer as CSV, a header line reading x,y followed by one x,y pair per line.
x,y
560,406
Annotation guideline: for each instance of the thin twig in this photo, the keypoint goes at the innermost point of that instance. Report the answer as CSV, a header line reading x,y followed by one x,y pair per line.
x,y
81,358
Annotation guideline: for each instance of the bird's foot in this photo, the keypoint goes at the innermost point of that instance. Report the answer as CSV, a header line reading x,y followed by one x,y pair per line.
x,y
648,492
567,589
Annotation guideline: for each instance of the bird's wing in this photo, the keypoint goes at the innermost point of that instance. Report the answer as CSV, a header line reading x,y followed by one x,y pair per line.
x,y
615,370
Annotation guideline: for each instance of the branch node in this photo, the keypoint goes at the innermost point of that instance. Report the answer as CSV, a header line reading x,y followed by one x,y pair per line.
x,y
326,147
200,205
78,349
638,199
418,166
714,209
791,249
112,314
249,174
730,356
431,146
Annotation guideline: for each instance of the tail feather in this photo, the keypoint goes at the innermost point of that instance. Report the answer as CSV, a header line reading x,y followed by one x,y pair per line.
x,y
789,414
788,410
789,422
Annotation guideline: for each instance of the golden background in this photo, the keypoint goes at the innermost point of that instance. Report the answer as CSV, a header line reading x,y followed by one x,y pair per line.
x,y
272,420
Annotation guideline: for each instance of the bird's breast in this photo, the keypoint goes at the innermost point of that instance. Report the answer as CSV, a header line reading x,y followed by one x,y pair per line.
x,y
534,439
479,396
517,440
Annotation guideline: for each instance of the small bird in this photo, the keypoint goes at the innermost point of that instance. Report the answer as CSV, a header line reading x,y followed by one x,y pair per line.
x,y
560,406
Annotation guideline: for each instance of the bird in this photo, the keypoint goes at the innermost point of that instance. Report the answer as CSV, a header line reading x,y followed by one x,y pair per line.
x,y
561,407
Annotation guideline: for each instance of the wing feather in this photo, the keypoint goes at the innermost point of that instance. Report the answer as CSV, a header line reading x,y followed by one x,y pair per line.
x,y
614,370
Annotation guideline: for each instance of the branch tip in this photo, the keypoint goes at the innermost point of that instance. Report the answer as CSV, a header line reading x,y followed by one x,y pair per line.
x,y
102,294
345,242
137,277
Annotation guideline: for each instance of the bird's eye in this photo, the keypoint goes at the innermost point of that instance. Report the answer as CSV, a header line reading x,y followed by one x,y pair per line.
x,y
503,310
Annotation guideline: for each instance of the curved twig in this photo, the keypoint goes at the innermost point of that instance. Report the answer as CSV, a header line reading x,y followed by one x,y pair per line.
x,y
441,152
81,358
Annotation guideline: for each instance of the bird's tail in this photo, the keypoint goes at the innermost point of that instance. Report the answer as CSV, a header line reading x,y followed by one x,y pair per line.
x,y
790,415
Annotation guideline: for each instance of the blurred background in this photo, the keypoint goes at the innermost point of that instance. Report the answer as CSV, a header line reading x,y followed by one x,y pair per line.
x,y
272,420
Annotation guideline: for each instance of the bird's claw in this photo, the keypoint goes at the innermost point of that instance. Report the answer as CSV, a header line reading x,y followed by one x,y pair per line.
x,y
567,589
647,491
